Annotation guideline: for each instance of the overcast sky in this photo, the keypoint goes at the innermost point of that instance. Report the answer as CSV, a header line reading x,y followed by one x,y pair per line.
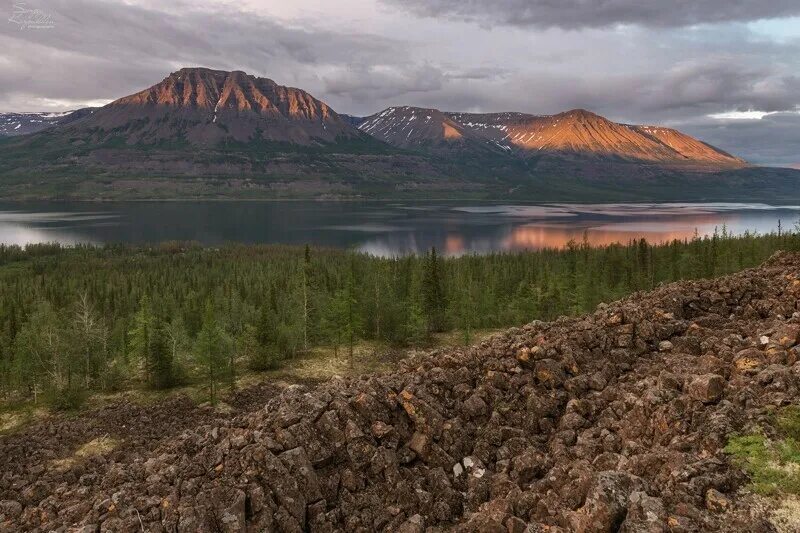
x,y
727,71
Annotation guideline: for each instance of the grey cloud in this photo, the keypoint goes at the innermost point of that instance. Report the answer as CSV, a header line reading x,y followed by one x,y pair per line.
x,y
103,50
708,84
772,140
571,14
365,89
481,73
698,88
375,83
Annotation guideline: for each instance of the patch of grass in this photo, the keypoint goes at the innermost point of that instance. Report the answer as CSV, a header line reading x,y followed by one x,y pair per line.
x,y
99,446
788,421
13,418
772,464
318,364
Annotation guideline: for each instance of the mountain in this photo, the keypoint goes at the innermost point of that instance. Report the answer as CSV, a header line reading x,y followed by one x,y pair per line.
x,y
210,133
410,127
576,133
206,107
12,124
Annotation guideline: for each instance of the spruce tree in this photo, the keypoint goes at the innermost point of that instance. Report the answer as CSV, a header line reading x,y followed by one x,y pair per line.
x,y
211,349
434,303
266,338
141,337
162,374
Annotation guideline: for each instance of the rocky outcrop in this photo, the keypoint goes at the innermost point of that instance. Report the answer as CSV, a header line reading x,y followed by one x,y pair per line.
x,y
608,422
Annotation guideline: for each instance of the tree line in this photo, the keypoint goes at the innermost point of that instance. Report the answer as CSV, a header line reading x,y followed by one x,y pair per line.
x,y
89,318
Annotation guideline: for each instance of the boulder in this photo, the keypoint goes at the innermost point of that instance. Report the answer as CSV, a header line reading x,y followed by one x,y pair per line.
x,y
606,504
749,361
9,509
707,388
716,501
787,335
475,407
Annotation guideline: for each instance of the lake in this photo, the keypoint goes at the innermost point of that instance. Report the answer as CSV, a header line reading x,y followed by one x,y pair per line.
x,y
381,228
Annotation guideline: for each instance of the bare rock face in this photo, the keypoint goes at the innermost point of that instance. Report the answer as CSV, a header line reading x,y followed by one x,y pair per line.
x,y
582,424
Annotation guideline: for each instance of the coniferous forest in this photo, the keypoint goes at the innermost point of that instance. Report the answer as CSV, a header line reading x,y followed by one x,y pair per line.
x,y
81,319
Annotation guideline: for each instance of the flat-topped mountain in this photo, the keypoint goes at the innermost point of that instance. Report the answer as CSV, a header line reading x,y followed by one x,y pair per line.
x,y
205,106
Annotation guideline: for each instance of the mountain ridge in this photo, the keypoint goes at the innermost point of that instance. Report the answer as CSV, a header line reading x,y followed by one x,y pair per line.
x,y
23,123
206,107
577,132
212,133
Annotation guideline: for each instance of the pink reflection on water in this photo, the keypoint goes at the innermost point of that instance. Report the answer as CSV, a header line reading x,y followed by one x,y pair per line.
x,y
536,236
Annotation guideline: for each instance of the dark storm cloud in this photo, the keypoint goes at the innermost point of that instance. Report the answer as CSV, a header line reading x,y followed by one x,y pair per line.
x,y
104,50
705,85
573,14
687,89
772,140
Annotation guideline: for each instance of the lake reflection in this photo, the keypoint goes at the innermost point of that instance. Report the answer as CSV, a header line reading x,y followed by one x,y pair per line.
x,y
379,228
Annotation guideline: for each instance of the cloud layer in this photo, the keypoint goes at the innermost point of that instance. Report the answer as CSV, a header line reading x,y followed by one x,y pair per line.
x,y
572,14
772,140
633,61
104,50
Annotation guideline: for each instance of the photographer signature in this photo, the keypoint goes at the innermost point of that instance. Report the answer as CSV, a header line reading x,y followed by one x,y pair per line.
x,y
30,18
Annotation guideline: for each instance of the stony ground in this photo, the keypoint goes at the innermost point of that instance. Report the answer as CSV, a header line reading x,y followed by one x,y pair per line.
x,y
613,421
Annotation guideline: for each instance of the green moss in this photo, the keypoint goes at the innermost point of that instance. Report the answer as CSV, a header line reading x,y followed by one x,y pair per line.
x,y
772,464
788,422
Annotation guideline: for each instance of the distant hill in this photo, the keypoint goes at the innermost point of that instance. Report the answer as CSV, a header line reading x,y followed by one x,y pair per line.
x,y
209,133
12,124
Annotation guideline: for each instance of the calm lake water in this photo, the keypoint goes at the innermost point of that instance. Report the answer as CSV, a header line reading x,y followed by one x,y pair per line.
x,y
381,228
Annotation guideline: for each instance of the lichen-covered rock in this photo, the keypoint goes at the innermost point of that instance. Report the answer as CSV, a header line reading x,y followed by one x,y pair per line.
x,y
646,514
716,501
787,335
606,503
707,388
